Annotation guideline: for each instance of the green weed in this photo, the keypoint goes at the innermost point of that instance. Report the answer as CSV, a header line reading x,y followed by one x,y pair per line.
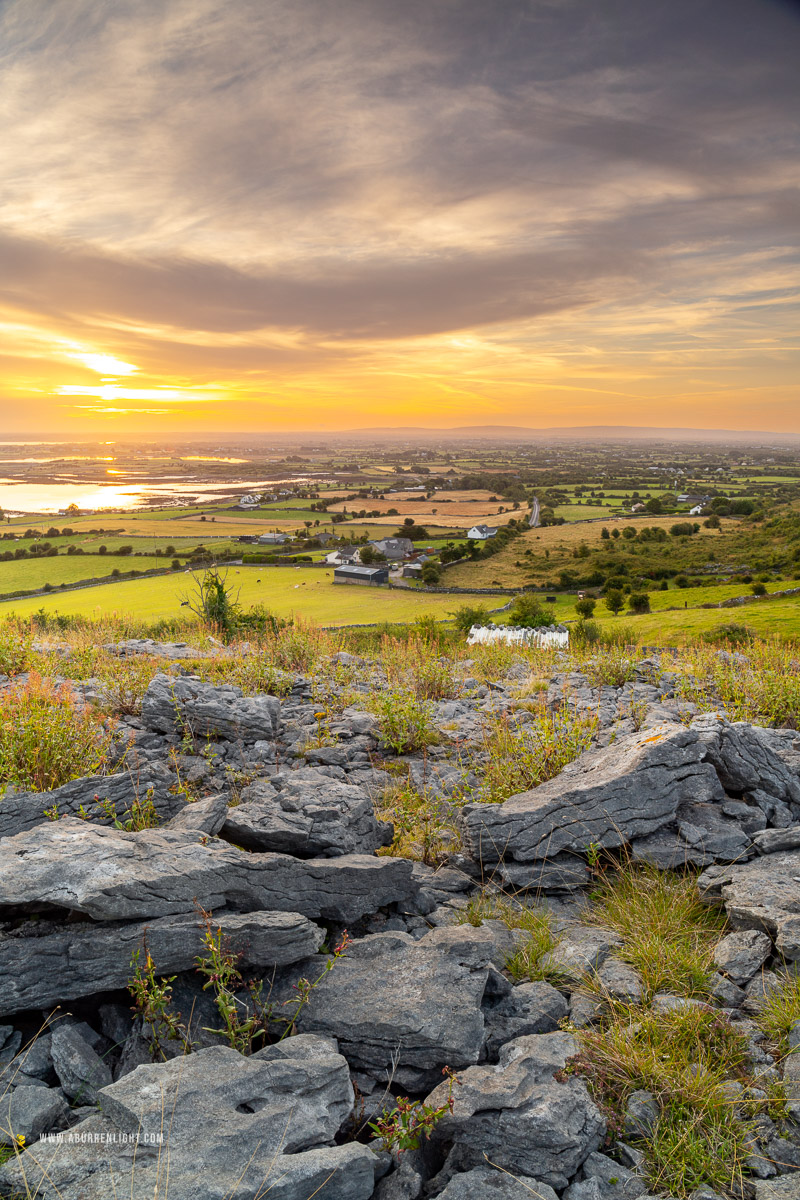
x,y
47,737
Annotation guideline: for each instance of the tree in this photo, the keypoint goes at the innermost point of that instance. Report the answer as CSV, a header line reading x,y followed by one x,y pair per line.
x,y
604,534
713,522
214,601
431,574
654,505
615,601
639,602
370,555
417,533
585,608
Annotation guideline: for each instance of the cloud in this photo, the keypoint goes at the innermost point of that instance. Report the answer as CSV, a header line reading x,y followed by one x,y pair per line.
x,y
246,190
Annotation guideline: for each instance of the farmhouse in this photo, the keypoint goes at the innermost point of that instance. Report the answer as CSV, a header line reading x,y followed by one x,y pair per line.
x,y
481,533
344,556
394,548
365,576
248,502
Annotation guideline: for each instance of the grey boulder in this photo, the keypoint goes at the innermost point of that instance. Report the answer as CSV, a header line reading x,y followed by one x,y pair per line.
x,y
28,1112
80,1070
78,959
307,821
519,1117
25,810
202,816
762,894
489,1183
113,875
741,954
607,798
535,1007
230,1127
200,709
414,1004
745,759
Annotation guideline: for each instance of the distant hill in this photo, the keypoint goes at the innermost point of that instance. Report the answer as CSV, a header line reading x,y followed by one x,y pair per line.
x,y
581,433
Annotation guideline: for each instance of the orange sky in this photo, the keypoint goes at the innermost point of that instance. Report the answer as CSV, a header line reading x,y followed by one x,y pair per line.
x,y
280,215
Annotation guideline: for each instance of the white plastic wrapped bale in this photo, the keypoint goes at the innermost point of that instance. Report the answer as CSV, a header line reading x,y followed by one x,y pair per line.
x,y
512,635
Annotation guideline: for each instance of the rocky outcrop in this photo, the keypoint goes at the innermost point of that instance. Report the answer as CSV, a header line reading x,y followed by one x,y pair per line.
x,y
112,875
674,795
406,1007
46,963
229,1127
184,703
607,798
762,894
519,1117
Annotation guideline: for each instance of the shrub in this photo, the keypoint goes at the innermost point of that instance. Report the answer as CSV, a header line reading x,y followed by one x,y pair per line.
x,y
731,634
520,759
424,826
47,738
406,723
759,589
585,633
15,652
585,608
214,602
639,602
529,613
468,615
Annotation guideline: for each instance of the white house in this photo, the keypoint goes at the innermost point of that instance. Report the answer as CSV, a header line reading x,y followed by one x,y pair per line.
x,y
248,502
345,556
481,533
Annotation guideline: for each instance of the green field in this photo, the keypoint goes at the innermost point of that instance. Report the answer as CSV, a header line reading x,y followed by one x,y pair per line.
x,y
285,591
29,573
774,618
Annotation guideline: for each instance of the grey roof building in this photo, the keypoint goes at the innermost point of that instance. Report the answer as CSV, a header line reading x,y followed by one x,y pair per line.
x,y
365,576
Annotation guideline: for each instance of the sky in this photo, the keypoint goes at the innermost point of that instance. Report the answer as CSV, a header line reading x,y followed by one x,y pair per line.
x,y
329,214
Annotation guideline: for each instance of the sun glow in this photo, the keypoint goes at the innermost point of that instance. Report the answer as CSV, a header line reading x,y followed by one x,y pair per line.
x,y
105,364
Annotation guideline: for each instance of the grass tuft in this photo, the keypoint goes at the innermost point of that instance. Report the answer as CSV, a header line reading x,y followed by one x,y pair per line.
x,y
669,935
683,1058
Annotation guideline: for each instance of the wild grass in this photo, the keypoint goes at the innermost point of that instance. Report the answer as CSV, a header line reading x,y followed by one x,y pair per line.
x,y
609,667
425,828
669,935
15,651
763,684
779,1011
535,924
405,721
47,737
418,667
683,1058
516,759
